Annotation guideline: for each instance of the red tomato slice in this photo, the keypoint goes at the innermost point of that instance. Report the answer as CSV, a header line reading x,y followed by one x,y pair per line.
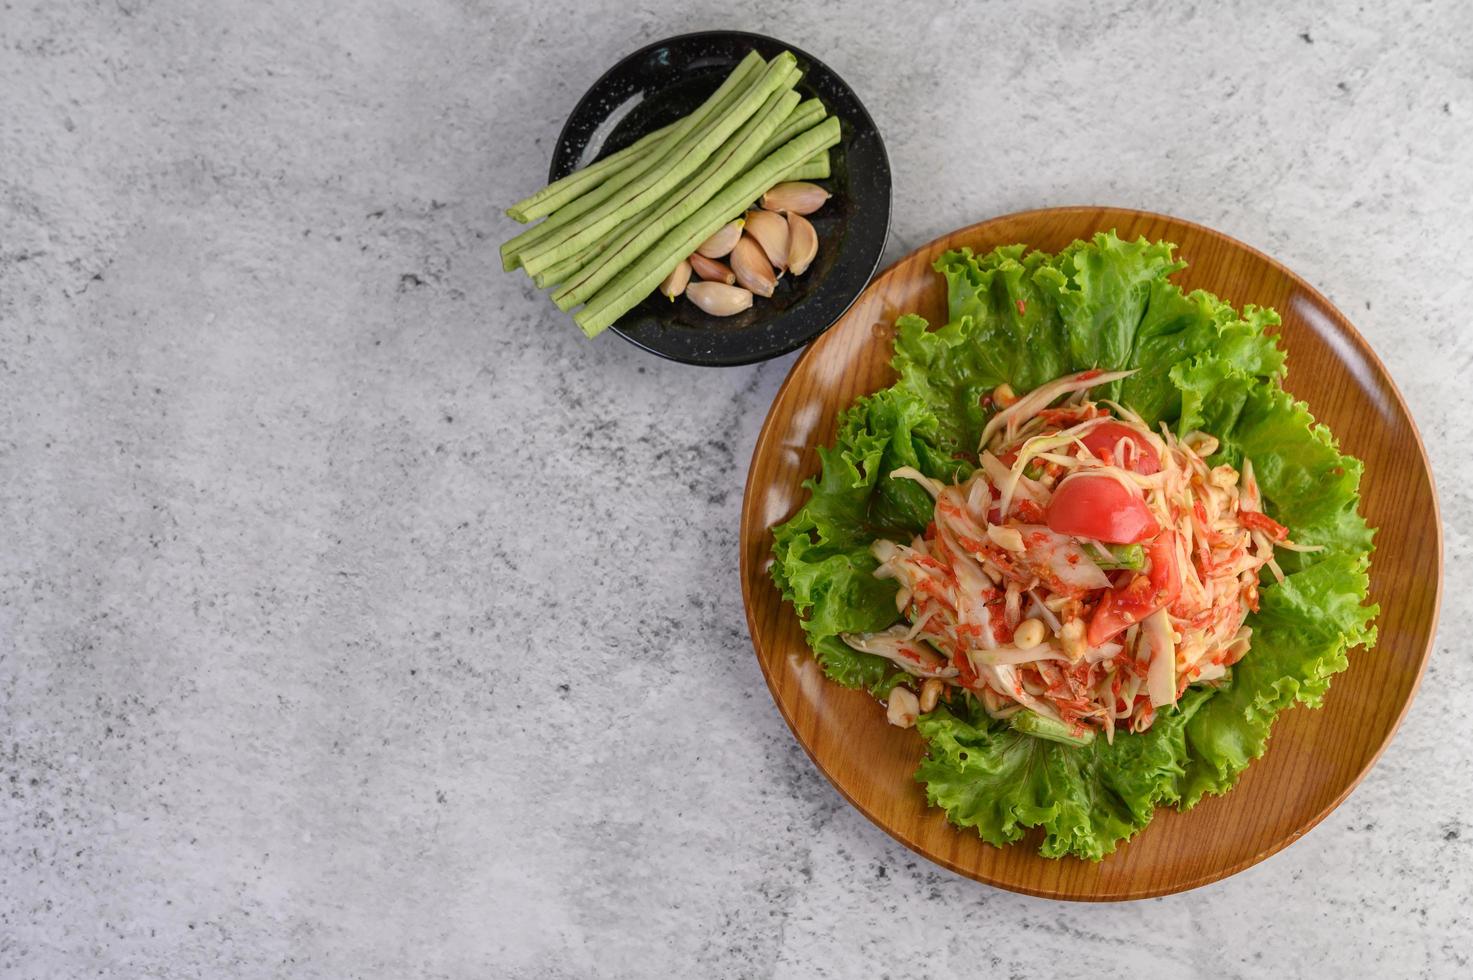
x,y
1106,437
1142,595
1100,507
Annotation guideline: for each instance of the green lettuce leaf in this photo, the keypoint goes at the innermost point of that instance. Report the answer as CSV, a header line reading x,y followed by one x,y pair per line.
x,y
1087,799
1026,318
823,565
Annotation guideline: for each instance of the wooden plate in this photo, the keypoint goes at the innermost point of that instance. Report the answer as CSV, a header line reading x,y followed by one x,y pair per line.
x,y
1315,758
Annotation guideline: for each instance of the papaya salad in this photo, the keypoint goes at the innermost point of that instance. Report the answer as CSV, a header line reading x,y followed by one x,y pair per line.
x,y
1085,545
1087,571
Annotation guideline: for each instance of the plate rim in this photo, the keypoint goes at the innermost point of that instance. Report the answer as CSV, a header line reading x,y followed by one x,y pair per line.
x,y
1107,214
754,356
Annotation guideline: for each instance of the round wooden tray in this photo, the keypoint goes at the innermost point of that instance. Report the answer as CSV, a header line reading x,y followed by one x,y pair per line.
x,y
1315,758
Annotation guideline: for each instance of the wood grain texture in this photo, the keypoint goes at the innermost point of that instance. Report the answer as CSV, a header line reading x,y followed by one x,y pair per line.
x,y
1314,759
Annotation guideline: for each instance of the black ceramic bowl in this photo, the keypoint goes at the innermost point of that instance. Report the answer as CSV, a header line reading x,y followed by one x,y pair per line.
x,y
668,79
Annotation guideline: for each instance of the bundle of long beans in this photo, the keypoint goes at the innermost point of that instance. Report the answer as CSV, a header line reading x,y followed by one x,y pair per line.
x,y
614,230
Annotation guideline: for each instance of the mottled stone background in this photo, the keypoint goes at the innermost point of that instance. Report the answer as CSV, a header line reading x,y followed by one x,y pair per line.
x,y
358,618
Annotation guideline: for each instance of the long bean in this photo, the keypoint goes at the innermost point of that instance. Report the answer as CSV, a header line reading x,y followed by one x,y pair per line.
x,y
569,267
808,114
563,190
576,217
815,167
719,102
678,164
636,282
559,273
729,161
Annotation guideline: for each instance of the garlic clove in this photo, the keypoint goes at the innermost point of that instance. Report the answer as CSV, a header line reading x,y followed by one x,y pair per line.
x,y
802,243
753,270
771,232
723,241
719,299
795,197
676,281
710,270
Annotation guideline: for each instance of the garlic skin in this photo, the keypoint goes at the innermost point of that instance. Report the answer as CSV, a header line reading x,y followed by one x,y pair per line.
x,y
752,269
771,232
723,241
795,197
676,281
802,243
719,299
710,270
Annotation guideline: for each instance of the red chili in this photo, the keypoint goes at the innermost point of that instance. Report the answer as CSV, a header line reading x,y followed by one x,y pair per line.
x,y
1262,522
965,673
1065,416
1204,556
1029,512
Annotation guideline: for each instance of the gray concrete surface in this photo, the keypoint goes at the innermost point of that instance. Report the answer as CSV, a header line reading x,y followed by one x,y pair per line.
x,y
360,619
